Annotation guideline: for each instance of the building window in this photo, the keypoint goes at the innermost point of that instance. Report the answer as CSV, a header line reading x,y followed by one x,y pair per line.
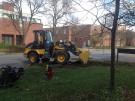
x,y
24,18
65,32
0,6
88,43
16,17
6,15
38,20
76,40
7,39
19,39
33,20
1,14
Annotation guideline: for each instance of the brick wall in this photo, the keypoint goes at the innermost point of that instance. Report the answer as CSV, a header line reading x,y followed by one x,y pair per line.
x,y
62,33
7,28
7,6
78,34
30,34
81,35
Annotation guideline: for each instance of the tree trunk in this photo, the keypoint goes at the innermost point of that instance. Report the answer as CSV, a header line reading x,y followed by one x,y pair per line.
x,y
120,42
54,28
113,33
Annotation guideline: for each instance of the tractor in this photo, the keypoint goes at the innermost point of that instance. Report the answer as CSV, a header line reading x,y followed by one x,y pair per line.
x,y
43,48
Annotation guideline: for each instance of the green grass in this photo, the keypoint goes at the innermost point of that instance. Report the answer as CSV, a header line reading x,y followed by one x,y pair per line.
x,y
73,83
3,46
11,48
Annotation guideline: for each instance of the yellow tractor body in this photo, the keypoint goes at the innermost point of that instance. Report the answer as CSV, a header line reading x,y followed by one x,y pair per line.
x,y
59,50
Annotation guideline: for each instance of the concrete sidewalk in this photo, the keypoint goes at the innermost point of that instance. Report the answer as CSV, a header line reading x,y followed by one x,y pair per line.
x,y
105,55
14,59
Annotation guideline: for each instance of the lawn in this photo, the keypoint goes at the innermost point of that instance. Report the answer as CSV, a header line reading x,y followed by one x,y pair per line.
x,y
11,48
73,83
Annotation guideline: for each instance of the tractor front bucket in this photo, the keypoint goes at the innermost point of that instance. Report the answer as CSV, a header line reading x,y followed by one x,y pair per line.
x,y
84,55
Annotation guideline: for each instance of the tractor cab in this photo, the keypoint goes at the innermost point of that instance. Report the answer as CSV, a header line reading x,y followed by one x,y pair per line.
x,y
42,43
43,38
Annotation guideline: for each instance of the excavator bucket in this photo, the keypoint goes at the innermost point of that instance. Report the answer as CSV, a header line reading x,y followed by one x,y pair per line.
x,y
84,55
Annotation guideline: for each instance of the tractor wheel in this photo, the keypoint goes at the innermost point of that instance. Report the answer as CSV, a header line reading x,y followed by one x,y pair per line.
x,y
33,57
61,58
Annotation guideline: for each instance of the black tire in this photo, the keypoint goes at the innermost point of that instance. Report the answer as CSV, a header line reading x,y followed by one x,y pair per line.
x,y
33,55
64,56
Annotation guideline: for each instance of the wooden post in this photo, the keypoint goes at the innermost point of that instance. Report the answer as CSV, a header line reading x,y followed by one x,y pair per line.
x,y
117,55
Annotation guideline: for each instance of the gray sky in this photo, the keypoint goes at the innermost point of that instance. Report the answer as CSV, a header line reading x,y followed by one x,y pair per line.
x,y
84,16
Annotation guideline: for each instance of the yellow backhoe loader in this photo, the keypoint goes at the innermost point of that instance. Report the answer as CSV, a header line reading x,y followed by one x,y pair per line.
x,y
44,48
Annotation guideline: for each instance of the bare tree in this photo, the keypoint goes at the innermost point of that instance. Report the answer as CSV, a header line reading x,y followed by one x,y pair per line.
x,y
56,10
19,21
118,15
71,20
111,7
113,33
105,27
127,14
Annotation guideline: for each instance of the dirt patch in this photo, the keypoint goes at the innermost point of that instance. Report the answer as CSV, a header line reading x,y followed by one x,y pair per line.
x,y
128,94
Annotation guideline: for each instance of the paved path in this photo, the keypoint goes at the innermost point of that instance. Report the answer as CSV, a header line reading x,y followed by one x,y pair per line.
x,y
12,59
105,55
96,54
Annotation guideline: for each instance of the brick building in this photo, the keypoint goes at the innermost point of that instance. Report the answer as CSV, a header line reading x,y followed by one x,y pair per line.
x,y
78,34
94,35
125,37
83,35
8,33
100,36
